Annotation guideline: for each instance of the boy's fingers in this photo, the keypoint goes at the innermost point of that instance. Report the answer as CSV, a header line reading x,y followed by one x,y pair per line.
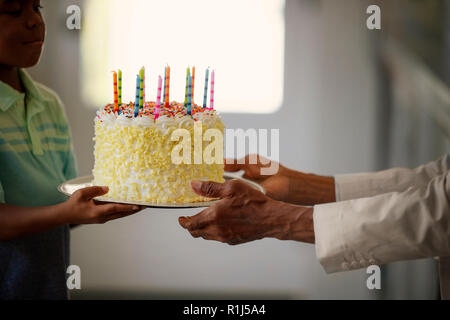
x,y
119,215
92,192
113,208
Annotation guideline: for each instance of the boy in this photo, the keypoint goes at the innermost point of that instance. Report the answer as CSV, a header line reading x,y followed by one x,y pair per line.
x,y
35,157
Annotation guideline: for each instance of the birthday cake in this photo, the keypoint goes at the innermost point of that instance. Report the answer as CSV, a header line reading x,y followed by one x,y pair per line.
x,y
150,153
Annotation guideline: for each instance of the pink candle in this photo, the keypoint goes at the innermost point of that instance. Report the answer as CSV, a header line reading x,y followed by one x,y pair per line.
x,y
158,98
211,102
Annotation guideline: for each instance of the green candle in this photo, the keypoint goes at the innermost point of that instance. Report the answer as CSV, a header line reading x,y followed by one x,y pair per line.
x,y
141,88
120,87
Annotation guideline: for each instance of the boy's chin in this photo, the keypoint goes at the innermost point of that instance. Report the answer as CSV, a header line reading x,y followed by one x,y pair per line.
x,y
30,62
31,59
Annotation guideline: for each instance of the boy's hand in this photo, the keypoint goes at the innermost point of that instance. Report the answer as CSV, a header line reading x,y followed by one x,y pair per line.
x,y
81,208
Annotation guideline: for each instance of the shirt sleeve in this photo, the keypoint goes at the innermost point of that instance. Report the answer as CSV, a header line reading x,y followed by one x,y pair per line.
x,y
362,185
396,226
2,194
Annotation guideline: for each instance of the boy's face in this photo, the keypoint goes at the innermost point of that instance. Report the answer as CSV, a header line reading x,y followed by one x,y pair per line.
x,y
22,32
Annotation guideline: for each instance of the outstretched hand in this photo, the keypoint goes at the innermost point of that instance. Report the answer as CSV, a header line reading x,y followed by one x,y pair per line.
x,y
276,184
245,214
285,184
81,208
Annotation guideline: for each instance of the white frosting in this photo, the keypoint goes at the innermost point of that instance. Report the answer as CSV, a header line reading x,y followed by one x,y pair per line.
x,y
144,122
208,118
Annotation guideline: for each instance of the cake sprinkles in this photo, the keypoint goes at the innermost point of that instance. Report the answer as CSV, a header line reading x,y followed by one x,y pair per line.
x,y
173,110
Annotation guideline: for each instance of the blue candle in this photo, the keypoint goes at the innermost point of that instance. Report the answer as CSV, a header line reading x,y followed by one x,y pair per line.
x,y
189,96
138,88
188,74
206,88
141,88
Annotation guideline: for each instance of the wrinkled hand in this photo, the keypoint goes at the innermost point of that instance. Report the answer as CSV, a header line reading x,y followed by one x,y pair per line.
x,y
276,185
81,208
245,214
285,184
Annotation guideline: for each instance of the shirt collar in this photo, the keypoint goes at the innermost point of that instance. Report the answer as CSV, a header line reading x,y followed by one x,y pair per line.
x,y
9,95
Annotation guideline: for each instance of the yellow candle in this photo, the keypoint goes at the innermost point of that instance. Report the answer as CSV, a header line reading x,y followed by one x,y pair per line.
x,y
116,99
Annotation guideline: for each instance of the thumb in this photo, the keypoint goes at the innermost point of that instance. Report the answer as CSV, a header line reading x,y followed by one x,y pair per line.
x,y
207,188
92,192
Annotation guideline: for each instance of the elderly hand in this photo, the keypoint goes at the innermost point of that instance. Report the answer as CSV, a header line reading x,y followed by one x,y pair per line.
x,y
276,185
245,214
285,184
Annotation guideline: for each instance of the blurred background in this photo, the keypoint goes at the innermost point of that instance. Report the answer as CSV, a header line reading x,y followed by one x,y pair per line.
x,y
345,98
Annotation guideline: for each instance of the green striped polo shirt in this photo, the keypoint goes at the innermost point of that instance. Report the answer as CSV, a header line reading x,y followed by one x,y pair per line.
x,y
35,157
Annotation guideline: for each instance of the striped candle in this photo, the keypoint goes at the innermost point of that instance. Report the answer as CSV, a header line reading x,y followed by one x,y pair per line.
x,y
193,83
143,95
141,88
164,87
120,87
205,96
167,87
158,98
211,102
189,96
188,74
116,101
138,87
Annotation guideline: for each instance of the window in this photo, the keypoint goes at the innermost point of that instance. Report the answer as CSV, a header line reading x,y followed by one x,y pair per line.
x,y
242,40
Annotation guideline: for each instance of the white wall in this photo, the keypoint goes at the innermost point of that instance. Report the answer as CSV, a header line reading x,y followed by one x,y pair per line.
x,y
326,126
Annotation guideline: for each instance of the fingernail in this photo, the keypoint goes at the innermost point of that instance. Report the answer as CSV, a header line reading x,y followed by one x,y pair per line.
x,y
196,184
135,208
106,189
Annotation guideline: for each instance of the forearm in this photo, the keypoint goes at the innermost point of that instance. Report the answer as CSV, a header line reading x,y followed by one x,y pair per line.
x,y
310,189
18,221
292,223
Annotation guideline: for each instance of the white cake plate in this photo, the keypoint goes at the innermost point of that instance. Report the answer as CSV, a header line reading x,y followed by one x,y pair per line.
x,y
70,186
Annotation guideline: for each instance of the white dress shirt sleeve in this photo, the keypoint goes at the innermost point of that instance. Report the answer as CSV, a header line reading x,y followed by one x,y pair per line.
x,y
362,185
402,225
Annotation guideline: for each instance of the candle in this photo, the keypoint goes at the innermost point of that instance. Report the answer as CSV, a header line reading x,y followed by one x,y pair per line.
x,y
188,73
205,96
136,105
141,88
120,87
143,96
116,101
158,98
164,87
211,102
167,87
193,83
189,96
